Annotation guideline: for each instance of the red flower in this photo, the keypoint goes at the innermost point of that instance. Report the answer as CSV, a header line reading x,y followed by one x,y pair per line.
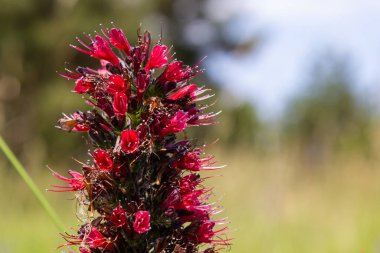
x,y
192,161
118,216
95,240
186,90
98,49
129,141
103,160
75,183
118,39
82,86
158,57
177,72
142,222
191,201
176,124
189,182
120,104
116,84
205,233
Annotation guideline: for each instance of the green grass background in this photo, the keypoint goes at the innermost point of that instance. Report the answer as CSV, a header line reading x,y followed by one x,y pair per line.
x,y
274,206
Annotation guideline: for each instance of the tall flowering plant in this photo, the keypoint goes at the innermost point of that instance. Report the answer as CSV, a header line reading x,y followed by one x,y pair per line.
x,y
141,190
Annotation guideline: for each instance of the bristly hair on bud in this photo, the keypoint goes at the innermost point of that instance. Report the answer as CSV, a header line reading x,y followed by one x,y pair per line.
x,y
142,186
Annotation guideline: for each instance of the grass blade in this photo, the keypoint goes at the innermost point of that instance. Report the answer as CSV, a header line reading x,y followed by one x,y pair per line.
x,y
33,187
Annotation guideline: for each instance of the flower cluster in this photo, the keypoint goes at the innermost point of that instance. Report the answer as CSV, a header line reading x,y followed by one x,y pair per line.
x,y
141,191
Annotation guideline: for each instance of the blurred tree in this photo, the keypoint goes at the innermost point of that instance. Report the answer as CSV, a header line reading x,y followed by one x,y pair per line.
x,y
199,32
244,125
329,118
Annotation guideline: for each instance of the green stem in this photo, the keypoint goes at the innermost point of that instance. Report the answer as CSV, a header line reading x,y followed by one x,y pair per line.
x,y
33,187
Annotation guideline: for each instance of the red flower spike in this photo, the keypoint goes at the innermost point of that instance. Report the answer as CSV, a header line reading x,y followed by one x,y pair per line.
x,y
158,57
118,40
142,222
120,104
98,49
138,194
116,84
176,124
118,216
103,160
129,141
75,183
82,86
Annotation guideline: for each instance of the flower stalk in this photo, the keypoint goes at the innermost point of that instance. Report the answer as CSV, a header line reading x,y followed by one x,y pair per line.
x,y
141,191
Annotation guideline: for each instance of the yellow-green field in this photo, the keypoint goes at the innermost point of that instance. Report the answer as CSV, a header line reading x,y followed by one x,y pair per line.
x,y
273,203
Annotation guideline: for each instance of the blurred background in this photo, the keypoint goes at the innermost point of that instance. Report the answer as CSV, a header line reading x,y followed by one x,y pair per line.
x,y
297,82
